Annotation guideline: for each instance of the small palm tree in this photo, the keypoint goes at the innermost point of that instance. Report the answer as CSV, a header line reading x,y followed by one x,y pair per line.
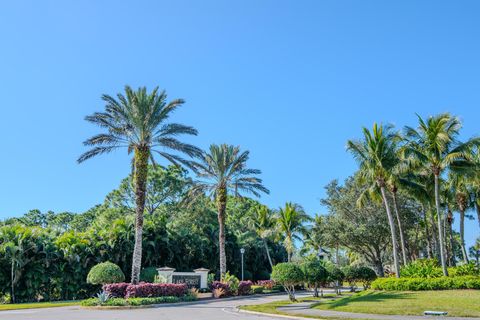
x,y
137,121
263,222
221,171
433,147
377,157
290,220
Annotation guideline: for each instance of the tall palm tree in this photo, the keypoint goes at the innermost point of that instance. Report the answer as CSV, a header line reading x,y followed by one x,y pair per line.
x,y
376,155
138,121
434,147
221,171
263,222
291,224
458,185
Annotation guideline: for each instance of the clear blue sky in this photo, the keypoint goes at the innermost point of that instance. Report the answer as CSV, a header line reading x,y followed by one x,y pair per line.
x,y
290,81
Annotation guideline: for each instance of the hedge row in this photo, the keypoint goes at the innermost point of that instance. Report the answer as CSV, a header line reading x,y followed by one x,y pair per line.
x,y
118,302
144,290
417,284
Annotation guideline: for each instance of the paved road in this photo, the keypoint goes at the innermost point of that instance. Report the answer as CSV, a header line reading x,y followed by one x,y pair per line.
x,y
207,310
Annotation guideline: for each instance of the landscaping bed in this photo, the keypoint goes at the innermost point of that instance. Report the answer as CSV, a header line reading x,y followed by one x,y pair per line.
x,y
136,302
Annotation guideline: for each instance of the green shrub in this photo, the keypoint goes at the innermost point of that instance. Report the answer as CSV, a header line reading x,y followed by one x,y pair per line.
x,y
288,275
148,274
417,284
315,274
422,268
468,269
232,282
105,272
257,289
118,302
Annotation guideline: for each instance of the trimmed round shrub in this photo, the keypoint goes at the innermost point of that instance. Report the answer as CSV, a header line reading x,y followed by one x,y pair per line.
x,y
148,274
314,274
105,272
288,275
366,275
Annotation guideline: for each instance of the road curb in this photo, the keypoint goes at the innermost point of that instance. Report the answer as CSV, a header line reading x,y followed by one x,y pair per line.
x,y
283,316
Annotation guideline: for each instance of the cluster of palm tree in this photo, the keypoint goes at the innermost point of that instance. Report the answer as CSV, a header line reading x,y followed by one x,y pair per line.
x,y
429,164
138,122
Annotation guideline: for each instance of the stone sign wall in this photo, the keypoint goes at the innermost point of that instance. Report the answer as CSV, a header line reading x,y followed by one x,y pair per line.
x,y
196,279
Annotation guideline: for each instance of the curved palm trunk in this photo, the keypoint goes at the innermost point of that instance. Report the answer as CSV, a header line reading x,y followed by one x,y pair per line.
x,y
400,228
140,181
392,231
434,234
462,236
221,209
268,253
477,207
440,229
427,233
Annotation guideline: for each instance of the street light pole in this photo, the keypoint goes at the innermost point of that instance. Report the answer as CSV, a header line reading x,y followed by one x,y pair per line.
x,y
242,251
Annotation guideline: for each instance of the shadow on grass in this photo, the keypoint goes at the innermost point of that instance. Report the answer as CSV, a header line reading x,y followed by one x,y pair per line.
x,y
365,297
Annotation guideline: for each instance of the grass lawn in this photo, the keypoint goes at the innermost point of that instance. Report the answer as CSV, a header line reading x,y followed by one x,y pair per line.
x,y
34,305
461,303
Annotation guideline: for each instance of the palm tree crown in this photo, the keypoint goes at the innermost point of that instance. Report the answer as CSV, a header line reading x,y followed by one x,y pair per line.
x,y
137,120
291,221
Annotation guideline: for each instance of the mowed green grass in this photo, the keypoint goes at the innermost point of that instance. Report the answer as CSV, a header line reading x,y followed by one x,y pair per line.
x,y
35,305
461,303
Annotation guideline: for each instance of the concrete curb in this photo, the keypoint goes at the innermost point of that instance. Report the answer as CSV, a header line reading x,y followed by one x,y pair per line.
x,y
283,316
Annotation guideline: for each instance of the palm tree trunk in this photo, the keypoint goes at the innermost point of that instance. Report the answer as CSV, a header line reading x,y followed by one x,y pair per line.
x,y
462,236
12,279
434,234
392,231
221,209
140,181
477,207
440,229
450,234
427,233
268,253
400,228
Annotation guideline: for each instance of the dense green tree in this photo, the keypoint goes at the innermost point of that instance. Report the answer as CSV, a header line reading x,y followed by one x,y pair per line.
x,y
137,121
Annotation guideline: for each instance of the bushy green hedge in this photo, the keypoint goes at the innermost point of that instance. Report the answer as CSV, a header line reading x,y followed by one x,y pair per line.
x,y
148,274
417,284
105,272
430,268
119,302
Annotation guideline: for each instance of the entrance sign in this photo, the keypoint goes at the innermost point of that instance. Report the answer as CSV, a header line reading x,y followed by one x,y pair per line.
x,y
196,279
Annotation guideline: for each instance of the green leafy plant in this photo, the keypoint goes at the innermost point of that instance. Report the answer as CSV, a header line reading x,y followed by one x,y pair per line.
x,y
148,274
422,268
288,275
417,284
232,282
105,272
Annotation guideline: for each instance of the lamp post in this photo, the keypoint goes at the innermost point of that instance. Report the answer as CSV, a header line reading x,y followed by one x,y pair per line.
x,y
242,251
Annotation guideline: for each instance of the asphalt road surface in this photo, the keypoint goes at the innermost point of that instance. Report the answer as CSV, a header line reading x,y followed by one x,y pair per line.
x,y
205,310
